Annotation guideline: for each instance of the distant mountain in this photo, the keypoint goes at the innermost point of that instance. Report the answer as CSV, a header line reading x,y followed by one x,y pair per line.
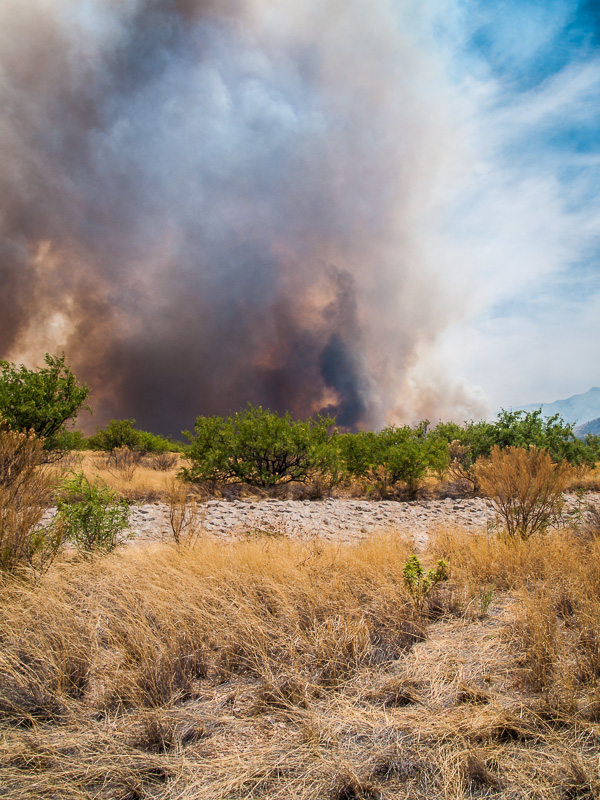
x,y
577,410
592,427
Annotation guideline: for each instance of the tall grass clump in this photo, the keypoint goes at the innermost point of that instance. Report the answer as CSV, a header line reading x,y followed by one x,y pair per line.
x,y
558,624
552,584
144,627
25,492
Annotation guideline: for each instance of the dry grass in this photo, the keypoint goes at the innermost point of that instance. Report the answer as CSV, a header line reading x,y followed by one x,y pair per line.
x,y
26,485
274,669
136,479
585,479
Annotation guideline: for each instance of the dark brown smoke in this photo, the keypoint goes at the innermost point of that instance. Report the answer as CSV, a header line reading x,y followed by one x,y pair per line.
x,y
207,204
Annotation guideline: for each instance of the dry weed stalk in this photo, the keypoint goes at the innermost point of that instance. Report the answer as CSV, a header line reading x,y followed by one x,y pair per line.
x,y
163,462
123,462
185,513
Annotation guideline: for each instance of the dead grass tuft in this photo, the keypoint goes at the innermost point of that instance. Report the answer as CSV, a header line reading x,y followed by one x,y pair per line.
x,y
396,692
349,787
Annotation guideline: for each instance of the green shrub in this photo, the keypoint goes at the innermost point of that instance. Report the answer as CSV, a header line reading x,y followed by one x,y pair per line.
x,y
521,429
69,440
41,400
122,433
260,448
420,581
409,453
394,455
360,453
91,516
476,440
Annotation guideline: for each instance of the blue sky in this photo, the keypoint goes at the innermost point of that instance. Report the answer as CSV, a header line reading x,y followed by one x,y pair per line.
x,y
526,210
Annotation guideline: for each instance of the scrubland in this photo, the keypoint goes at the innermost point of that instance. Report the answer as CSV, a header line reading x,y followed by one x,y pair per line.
x,y
270,667
152,477
267,668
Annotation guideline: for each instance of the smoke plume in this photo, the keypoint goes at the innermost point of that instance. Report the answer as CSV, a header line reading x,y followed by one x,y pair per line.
x,y
212,203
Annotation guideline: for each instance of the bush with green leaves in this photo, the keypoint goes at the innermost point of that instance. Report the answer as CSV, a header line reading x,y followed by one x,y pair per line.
x,y
41,400
420,581
410,453
122,433
527,429
91,516
476,440
394,455
260,448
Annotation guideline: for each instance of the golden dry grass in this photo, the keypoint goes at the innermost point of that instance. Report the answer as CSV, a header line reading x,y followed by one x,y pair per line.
x,y
141,482
585,479
275,669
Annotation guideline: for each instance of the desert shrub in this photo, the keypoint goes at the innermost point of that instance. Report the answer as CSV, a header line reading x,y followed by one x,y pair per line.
x,y
25,492
525,487
92,517
475,440
359,452
261,448
395,455
67,441
409,453
526,429
117,433
460,467
41,400
120,433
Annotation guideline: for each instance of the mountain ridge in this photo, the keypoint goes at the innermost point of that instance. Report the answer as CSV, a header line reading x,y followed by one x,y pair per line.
x,y
591,428
578,409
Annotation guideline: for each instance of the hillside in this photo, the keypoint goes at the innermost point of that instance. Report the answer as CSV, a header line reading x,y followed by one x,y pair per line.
x,y
578,409
592,427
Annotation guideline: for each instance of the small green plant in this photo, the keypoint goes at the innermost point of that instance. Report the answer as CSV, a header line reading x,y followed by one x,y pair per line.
x,y
91,516
420,581
486,595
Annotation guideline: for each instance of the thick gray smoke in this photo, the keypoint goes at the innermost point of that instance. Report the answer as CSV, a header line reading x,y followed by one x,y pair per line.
x,y
212,203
